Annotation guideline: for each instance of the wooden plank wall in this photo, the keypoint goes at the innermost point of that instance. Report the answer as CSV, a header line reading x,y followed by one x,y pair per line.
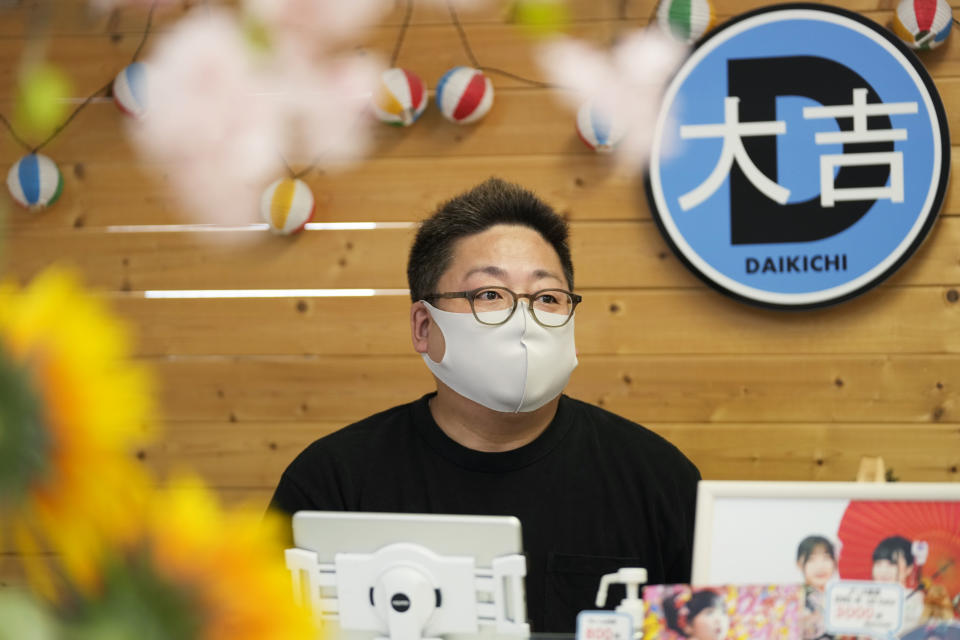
x,y
246,384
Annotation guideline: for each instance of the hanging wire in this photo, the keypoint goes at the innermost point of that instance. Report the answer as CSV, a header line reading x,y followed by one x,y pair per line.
x,y
403,32
13,133
286,165
303,172
104,91
296,175
408,13
465,43
146,32
463,34
652,20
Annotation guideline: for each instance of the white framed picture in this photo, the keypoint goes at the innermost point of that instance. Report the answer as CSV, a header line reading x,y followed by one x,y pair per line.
x,y
898,543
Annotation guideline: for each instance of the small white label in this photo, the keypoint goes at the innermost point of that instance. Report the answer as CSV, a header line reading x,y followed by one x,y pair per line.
x,y
864,608
604,625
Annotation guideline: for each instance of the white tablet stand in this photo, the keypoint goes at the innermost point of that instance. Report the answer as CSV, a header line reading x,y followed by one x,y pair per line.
x,y
404,591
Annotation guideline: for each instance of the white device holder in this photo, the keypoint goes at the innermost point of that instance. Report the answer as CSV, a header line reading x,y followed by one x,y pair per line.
x,y
631,578
406,592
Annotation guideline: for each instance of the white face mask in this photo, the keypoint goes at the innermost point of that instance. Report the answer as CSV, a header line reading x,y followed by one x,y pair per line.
x,y
514,367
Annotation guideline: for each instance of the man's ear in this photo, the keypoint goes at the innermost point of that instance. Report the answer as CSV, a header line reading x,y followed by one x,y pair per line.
x,y
419,326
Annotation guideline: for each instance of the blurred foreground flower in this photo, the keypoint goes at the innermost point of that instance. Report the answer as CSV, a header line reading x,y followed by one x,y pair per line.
x,y
103,6
131,560
72,408
228,102
193,572
318,25
626,83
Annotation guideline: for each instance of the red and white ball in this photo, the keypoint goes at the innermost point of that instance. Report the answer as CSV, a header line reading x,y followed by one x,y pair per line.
x,y
401,97
923,24
464,95
287,205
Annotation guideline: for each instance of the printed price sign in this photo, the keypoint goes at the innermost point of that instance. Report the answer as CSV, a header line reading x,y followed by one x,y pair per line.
x,y
604,625
864,608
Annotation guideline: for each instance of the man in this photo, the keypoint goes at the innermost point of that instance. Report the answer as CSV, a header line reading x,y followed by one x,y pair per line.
x,y
490,279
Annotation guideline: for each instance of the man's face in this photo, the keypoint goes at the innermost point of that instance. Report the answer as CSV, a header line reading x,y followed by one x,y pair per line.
x,y
511,256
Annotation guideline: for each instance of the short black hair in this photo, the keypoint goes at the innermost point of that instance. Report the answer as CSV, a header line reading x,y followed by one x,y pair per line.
x,y
490,203
698,602
894,548
809,544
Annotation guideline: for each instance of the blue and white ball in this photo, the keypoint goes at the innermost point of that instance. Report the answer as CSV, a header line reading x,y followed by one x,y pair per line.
x,y
35,182
130,90
599,128
464,95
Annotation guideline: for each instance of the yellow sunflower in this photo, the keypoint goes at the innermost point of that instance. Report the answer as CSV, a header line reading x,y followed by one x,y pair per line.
x,y
72,408
195,572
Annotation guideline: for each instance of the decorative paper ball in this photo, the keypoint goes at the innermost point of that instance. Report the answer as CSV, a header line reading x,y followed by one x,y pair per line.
x,y
400,98
130,89
923,24
598,129
287,205
686,20
464,95
35,181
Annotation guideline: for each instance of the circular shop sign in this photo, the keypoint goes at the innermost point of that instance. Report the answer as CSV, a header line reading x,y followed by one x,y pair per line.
x,y
800,157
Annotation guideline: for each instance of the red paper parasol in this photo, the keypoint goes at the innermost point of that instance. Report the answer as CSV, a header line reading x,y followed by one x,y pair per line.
x,y
866,523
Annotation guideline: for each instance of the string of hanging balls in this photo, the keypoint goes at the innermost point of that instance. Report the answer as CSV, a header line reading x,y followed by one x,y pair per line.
x,y
464,96
35,181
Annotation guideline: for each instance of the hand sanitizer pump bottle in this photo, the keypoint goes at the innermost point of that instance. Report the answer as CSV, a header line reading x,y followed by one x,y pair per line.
x,y
631,578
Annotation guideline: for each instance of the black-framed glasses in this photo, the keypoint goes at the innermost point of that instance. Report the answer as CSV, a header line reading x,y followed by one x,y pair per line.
x,y
495,305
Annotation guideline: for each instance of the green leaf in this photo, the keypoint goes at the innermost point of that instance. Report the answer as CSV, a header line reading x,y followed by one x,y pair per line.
x,y
137,602
24,440
24,618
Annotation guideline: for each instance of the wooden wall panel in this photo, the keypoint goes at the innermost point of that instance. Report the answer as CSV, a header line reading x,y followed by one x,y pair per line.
x,y
609,322
237,455
677,388
524,122
431,45
73,17
245,384
581,187
607,255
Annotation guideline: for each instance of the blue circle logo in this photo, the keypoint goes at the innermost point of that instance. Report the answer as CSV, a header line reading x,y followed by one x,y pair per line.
x,y
800,157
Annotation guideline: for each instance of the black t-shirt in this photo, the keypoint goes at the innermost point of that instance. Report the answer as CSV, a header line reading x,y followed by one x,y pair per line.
x,y
594,493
